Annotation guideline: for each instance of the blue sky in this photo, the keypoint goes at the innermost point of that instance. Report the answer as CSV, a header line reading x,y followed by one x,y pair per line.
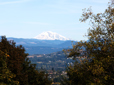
x,y
28,18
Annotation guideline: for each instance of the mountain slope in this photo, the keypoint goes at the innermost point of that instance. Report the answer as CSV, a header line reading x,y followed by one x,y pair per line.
x,y
50,36
36,46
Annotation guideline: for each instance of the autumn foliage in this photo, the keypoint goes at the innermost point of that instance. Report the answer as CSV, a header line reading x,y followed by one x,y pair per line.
x,y
96,66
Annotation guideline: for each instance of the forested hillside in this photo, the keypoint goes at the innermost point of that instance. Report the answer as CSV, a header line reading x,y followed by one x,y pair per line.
x,y
35,46
56,60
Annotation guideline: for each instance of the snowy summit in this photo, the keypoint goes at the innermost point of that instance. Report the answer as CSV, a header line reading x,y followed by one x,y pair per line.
x,y
50,36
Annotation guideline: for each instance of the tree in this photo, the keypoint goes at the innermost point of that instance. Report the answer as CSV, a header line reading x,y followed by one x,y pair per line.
x,y
34,77
18,66
96,64
6,77
17,57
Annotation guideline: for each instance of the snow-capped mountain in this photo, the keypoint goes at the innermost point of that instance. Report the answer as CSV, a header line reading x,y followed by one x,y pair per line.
x,y
50,36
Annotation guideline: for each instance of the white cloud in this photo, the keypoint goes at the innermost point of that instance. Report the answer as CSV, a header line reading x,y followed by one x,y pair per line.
x,y
99,1
13,2
37,23
74,7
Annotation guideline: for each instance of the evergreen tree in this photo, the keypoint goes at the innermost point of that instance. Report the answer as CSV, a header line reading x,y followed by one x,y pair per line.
x,y
17,57
34,77
6,77
19,65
